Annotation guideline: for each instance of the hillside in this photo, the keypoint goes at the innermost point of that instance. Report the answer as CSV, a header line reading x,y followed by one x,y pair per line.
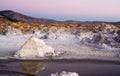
x,y
17,17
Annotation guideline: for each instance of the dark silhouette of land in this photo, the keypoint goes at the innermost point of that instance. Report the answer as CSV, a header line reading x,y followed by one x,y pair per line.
x,y
18,17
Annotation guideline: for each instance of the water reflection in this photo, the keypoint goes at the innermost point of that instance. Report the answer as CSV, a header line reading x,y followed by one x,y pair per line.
x,y
37,68
13,73
32,67
21,68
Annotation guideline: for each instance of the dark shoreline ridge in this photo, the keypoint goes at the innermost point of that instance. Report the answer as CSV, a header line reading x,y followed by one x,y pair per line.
x,y
96,60
17,17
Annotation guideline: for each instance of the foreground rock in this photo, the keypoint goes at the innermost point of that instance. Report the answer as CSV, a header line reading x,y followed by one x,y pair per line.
x,y
65,74
35,48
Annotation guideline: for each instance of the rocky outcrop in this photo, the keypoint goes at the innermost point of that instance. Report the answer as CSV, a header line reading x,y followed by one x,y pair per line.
x,y
10,31
65,74
106,37
35,48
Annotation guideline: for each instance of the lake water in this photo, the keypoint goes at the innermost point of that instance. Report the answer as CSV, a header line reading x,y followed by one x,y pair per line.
x,y
37,68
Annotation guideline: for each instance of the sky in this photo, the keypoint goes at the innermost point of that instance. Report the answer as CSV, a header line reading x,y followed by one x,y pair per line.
x,y
80,10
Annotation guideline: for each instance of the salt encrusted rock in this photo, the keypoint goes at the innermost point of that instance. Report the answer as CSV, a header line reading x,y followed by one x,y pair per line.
x,y
34,47
12,31
50,35
65,74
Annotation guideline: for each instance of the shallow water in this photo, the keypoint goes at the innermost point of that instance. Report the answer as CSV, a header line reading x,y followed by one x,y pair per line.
x,y
37,68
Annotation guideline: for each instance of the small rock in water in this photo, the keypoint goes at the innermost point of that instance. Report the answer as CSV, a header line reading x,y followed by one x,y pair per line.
x,y
65,74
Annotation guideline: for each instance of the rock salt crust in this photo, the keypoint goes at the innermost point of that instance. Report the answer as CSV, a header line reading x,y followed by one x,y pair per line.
x,y
12,31
34,48
65,74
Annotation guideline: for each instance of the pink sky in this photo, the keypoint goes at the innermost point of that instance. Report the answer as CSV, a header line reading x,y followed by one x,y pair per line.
x,y
96,9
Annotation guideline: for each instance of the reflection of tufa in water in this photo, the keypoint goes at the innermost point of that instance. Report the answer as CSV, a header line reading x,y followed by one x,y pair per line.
x,y
32,67
13,73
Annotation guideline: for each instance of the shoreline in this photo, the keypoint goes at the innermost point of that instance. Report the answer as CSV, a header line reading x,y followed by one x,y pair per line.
x,y
87,59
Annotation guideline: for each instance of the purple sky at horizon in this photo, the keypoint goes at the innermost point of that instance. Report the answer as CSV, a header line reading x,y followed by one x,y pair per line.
x,y
81,10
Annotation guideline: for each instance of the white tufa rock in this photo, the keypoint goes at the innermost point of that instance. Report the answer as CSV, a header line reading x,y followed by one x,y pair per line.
x,y
84,35
13,31
34,47
65,74
50,35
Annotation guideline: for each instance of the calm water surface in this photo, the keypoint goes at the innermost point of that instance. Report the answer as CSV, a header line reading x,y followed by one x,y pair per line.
x,y
37,68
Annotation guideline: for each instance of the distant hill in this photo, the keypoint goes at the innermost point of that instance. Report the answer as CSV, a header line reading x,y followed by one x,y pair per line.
x,y
17,17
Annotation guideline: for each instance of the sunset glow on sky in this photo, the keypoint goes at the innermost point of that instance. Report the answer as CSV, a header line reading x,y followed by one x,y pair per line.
x,y
82,10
